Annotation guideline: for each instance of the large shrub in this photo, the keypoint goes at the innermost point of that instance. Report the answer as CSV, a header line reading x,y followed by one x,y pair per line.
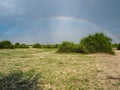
x,y
97,43
66,47
6,45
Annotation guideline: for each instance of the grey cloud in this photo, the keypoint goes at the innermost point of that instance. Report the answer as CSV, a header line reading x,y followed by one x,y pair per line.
x,y
30,17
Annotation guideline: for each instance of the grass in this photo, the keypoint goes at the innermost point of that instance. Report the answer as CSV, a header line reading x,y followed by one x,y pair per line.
x,y
64,71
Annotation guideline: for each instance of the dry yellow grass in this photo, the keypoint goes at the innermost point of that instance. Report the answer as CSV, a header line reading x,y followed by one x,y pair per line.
x,y
65,71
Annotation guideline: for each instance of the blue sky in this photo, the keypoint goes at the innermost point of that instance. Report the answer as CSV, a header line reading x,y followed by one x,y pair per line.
x,y
54,21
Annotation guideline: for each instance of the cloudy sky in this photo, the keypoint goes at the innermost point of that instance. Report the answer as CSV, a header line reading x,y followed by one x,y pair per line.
x,y
54,21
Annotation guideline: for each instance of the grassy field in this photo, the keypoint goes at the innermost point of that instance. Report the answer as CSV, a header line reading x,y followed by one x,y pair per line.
x,y
65,71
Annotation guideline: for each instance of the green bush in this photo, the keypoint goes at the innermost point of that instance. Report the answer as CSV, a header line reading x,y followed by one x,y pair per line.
x,y
6,45
97,43
66,47
36,45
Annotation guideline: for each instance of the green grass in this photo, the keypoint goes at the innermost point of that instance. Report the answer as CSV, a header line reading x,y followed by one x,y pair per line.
x,y
63,71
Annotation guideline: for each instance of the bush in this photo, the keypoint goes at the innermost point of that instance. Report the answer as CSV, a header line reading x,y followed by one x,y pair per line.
x,y
66,47
97,43
6,45
36,45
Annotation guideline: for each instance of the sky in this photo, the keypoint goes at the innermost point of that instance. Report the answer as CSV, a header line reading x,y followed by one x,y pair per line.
x,y
54,21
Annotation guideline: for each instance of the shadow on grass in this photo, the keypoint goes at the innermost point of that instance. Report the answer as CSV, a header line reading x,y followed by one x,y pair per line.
x,y
18,80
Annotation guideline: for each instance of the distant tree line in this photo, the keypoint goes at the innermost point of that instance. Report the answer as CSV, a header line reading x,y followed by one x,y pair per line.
x,y
37,45
8,45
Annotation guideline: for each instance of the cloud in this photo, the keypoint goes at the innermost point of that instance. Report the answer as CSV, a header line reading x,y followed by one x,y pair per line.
x,y
28,21
8,7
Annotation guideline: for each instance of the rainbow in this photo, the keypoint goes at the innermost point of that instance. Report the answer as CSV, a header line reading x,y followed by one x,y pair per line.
x,y
72,19
87,22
